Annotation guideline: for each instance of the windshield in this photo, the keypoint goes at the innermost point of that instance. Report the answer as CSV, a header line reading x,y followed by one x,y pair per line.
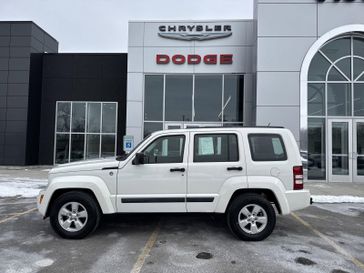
x,y
126,155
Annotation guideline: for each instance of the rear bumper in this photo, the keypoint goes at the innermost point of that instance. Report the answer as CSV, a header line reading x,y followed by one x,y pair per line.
x,y
298,199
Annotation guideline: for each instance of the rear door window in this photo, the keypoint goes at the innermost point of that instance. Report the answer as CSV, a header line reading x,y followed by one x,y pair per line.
x,y
216,148
267,147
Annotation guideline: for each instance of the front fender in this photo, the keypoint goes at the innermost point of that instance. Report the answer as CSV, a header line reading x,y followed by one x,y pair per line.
x,y
95,184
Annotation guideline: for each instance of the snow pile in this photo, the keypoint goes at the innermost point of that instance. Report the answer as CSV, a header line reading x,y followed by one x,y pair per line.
x,y
21,186
337,199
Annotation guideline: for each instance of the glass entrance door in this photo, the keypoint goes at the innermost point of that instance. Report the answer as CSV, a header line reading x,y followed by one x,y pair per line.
x,y
358,150
340,150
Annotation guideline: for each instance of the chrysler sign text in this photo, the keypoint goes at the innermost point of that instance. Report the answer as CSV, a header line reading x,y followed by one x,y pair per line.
x,y
194,32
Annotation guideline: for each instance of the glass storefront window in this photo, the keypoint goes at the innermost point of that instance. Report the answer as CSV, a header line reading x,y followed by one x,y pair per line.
x,y
63,116
62,148
316,99
92,146
108,118
358,46
335,89
316,149
233,97
358,69
359,99
178,97
77,147
208,98
182,101
344,66
340,148
150,127
78,117
107,145
318,68
336,75
85,140
153,97
360,148
93,117
338,99
338,48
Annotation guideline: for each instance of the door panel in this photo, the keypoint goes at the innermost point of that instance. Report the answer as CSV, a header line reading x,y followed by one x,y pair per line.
x,y
340,150
211,164
159,185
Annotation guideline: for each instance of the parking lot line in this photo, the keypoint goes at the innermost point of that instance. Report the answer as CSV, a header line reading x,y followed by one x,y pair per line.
x,y
338,248
147,248
17,215
17,203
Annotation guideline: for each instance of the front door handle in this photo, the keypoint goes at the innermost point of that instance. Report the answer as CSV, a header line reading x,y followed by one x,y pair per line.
x,y
234,168
182,170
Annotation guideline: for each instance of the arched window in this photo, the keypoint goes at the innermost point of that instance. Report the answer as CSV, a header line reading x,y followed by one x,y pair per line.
x,y
335,89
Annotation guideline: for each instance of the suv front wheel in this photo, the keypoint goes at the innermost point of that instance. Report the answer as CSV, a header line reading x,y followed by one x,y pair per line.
x,y
251,217
74,215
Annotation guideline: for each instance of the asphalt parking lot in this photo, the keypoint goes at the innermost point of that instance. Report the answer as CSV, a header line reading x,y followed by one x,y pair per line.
x,y
322,238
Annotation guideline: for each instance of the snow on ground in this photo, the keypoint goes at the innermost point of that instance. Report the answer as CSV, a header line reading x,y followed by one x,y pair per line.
x,y
347,209
21,186
337,199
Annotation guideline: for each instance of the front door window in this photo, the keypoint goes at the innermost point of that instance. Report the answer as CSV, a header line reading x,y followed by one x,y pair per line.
x,y
167,149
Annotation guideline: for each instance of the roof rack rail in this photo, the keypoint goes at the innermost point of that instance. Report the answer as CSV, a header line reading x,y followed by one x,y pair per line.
x,y
235,126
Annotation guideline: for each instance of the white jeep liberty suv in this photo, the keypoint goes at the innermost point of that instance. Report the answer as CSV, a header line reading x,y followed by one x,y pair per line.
x,y
248,174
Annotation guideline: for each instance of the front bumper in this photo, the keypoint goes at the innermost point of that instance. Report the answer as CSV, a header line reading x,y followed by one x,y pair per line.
x,y
298,199
41,203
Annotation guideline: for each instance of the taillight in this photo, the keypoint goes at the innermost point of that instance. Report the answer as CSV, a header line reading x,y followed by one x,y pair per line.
x,y
298,178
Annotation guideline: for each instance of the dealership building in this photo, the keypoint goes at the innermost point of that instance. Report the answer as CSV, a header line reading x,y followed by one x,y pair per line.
x,y
297,64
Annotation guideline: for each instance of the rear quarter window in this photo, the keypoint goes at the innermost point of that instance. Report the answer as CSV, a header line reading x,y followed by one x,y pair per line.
x,y
267,147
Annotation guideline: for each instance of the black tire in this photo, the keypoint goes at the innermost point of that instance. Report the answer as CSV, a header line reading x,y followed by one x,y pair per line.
x,y
91,207
233,214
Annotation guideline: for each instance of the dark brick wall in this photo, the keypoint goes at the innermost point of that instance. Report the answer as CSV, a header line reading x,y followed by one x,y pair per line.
x,y
80,77
17,41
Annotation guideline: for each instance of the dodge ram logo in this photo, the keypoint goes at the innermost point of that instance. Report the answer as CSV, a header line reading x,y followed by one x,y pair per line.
x,y
194,32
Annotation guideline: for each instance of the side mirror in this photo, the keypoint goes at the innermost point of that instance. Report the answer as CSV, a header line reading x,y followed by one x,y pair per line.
x,y
139,159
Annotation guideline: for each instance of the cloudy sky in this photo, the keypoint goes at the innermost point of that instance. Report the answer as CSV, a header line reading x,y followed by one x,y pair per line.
x,y
102,25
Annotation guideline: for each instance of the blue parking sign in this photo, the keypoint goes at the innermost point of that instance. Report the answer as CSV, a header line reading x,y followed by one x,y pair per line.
x,y
128,143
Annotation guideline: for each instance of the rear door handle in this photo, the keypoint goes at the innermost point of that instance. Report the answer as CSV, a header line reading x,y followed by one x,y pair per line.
x,y
182,170
234,168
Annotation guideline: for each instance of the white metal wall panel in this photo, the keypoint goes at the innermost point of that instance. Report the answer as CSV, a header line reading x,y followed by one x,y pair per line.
x,y
278,88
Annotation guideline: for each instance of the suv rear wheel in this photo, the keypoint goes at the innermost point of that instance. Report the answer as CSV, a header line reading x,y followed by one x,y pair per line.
x,y
251,217
74,215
